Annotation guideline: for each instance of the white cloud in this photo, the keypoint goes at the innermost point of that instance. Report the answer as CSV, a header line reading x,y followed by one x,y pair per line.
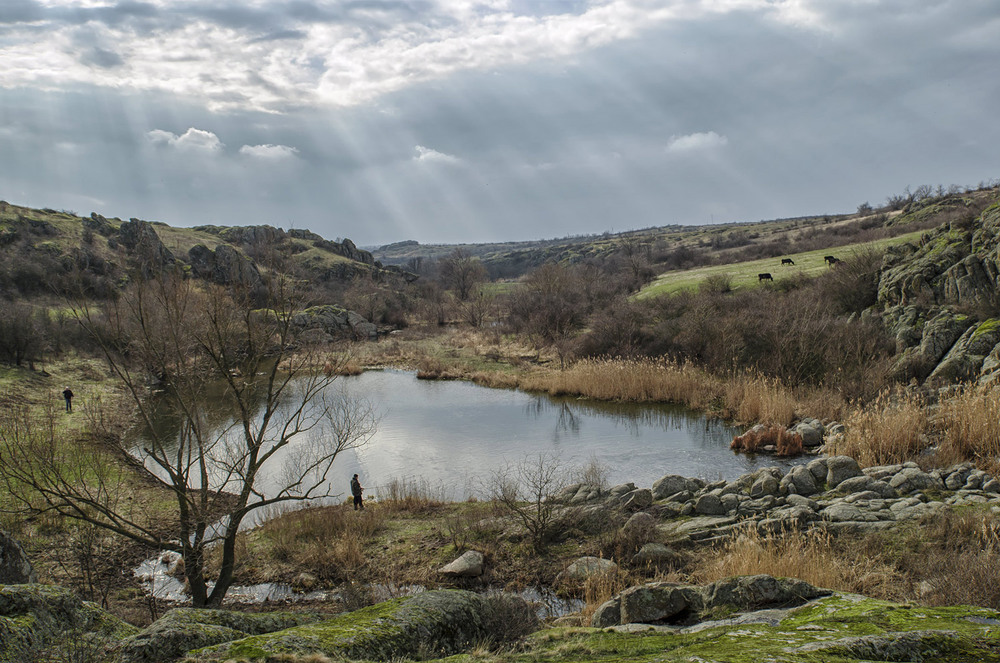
x,y
429,155
272,152
696,142
192,139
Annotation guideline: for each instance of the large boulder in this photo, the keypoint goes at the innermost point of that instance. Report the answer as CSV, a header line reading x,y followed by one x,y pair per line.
x,y
15,568
658,602
468,565
441,622
674,483
184,629
841,468
750,592
34,616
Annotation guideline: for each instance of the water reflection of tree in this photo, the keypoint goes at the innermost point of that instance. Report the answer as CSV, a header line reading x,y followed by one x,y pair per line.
x,y
630,416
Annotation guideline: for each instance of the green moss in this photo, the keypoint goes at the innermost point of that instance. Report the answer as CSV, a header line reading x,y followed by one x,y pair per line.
x,y
990,326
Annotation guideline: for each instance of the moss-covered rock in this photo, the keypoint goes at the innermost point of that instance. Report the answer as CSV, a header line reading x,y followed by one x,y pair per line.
x,y
835,629
33,617
440,622
184,629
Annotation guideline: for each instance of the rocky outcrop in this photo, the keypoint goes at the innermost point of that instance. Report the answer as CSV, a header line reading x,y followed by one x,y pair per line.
x,y
183,629
443,623
965,359
15,568
140,238
346,249
830,493
672,603
225,266
34,617
335,322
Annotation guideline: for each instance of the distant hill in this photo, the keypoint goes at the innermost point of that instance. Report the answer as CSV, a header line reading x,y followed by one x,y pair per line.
x,y
45,251
667,248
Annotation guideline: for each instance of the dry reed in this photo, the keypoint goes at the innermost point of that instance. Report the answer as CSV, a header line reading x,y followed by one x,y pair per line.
x,y
969,423
891,429
809,556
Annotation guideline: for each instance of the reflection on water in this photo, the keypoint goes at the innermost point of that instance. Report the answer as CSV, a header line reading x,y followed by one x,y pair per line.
x,y
453,435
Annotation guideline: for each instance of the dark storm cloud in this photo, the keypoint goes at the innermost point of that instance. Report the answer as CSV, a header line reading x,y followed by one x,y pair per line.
x,y
769,111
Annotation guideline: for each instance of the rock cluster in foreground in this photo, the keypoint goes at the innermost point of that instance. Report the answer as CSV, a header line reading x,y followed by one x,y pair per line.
x,y
832,493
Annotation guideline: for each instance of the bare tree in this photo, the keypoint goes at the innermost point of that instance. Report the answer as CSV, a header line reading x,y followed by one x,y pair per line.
x,y
550,307
254,423
462,272
527,491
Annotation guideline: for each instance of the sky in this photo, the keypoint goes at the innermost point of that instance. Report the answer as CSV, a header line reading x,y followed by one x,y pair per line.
x,y
491,120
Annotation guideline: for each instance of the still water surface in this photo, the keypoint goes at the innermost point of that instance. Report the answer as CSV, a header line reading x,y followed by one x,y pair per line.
x,y
452,435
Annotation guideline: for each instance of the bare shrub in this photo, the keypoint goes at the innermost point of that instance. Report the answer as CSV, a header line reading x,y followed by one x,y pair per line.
x,y
593,473
526,491
891,429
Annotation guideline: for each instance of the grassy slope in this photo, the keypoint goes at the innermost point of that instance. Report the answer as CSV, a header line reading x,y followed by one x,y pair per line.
x,y
744,274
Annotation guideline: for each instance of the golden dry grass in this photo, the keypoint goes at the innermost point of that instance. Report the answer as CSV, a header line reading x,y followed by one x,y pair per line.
x,y
809,556
969,425
891,429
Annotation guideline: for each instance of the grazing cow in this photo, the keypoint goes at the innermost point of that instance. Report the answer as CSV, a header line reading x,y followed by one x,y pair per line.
x,y
764,277
787,261
830,260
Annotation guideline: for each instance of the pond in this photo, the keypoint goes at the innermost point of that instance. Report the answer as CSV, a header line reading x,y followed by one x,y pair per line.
x,y
452,435
448,438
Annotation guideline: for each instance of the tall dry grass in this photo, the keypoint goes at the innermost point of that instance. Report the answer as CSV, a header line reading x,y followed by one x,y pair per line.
x,y
969,424
810,556
327,540
891,429
753,398
402,494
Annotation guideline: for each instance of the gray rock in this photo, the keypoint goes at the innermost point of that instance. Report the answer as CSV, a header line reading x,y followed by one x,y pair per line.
x,y
730,502
34,616
622,489
608,614
811,431
639,522
655,555
440,622
710,505
672,484
819,469
637,499
765,485
910,479
587,567
184,629
655,602
15,568
842,512
800,481
840,468
748,592
991,486
800,500
469,565
904,646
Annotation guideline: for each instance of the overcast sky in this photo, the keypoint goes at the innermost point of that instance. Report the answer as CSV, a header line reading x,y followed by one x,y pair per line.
x,y
474,121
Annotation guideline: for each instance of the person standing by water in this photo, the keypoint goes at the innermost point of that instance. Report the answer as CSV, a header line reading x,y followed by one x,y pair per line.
x,y
356,490
68,395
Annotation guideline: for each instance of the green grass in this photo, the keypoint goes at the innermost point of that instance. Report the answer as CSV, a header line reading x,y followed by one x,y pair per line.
x,y
744,274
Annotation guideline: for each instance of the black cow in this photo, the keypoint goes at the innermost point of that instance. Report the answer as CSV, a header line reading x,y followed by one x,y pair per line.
x,y
764,277
787,261
830,260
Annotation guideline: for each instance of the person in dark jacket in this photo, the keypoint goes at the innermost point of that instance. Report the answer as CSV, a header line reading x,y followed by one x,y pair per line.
x,y
68,395
356,491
